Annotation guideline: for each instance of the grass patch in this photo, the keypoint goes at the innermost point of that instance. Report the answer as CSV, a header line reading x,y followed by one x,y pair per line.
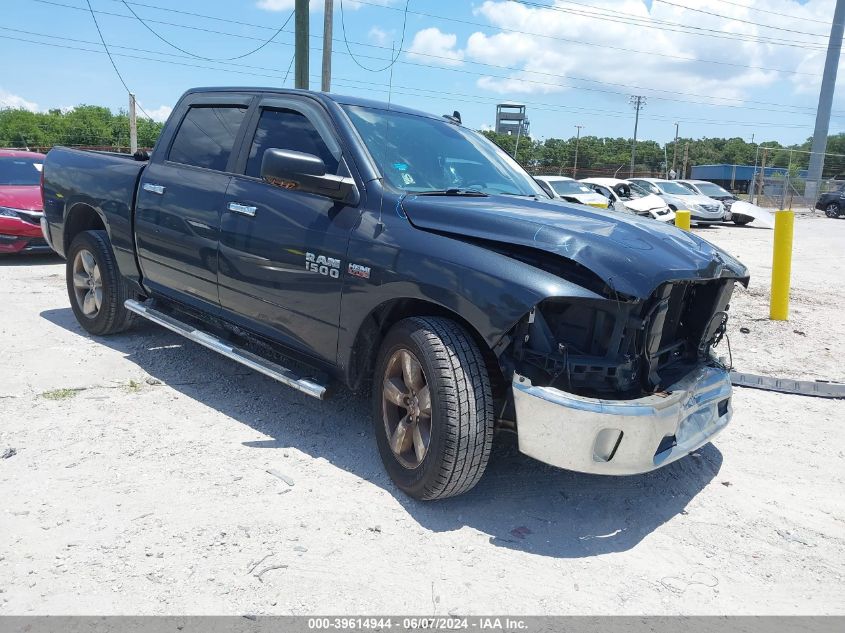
x,y
60,394
133,386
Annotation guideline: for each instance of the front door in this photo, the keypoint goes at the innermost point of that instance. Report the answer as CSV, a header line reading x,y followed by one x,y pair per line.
x,y
282,253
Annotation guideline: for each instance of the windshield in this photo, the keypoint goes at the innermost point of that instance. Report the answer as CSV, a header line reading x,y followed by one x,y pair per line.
x,y
630,191
417,154
20,171
674,188
709,189
569,187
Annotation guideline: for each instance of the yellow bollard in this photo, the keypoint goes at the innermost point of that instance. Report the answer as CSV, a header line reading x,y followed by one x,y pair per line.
x,y
781,266
682,219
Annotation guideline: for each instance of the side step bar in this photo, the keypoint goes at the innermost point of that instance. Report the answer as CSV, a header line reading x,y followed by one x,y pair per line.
x,y
253,361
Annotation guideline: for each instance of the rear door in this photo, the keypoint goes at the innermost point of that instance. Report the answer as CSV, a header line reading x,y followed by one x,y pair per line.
x,y
180,197
283,252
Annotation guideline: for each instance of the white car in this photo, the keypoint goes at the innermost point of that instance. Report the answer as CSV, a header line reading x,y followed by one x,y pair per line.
x,y
703,210
626,196
570,190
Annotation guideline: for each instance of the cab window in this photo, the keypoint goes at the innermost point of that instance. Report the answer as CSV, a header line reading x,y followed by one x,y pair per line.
x,y
206,136
291,130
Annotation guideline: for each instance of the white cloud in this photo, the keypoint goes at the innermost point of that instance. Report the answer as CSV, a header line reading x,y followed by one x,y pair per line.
x,y
673,65
435,47
158,114
378,36
275,5
9,100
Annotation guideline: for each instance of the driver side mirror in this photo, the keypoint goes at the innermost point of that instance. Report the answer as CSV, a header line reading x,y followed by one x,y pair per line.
x,y
299,171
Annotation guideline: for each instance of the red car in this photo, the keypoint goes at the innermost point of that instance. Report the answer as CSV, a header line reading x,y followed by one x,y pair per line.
x,y
20,202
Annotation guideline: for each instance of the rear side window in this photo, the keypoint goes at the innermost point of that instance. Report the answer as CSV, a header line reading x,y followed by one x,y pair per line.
x,y
206,136
287,129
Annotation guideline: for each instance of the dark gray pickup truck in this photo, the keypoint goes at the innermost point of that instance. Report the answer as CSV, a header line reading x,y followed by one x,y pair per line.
x,y
327,240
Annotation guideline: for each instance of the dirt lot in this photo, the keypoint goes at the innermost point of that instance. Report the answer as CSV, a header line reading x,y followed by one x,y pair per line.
x,y
140,483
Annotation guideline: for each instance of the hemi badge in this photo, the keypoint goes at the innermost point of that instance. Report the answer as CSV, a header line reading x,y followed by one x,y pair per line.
x,y
357,270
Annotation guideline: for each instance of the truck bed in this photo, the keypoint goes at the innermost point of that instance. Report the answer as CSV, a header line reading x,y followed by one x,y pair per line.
x,y
106,182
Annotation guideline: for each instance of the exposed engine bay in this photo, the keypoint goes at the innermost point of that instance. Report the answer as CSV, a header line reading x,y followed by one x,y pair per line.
x,y
623,348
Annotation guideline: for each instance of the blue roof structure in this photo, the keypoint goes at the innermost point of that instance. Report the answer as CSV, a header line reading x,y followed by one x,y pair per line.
x,y
743,172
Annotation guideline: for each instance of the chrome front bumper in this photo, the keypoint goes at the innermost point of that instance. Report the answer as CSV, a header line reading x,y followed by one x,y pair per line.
x,y
622,437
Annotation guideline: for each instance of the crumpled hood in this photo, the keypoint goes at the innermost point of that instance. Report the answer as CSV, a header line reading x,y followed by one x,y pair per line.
x,y
26,197
632,255
646,203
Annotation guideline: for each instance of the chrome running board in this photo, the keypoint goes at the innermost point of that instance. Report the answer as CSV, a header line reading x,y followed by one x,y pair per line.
x,y
253,361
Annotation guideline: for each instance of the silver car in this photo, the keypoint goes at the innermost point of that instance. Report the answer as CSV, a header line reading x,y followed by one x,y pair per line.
x,y
703,210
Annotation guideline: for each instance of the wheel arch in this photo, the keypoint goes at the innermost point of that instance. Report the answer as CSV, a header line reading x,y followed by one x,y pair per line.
x,y
380,319
81,217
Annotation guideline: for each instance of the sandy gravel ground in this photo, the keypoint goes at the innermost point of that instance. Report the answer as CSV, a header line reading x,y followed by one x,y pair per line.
x,y
140,483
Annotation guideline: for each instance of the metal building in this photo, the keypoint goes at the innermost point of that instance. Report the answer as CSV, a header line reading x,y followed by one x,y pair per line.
x,y
510,117
737,177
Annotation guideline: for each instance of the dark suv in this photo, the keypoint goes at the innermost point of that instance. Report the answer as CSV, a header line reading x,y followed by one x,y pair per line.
x,y
832,202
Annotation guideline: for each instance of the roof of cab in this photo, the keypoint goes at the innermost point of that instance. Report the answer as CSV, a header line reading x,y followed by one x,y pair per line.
x,y
322,96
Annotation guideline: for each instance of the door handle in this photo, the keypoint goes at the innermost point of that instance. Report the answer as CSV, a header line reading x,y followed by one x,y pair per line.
x,y
159,189
243,209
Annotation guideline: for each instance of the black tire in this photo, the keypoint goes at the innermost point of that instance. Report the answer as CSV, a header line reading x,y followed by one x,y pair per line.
x,y
461,408
832,210
111,316
742,220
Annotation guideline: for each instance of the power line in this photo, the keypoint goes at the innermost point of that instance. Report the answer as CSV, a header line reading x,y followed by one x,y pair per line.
x,y
586,42
209,59
770,12
394,57
439,94
625,88
577,42
665,25
105,46
458,70
733,19
499,28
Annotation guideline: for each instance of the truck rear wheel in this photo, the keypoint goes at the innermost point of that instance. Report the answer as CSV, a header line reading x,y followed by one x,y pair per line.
x,y
94,285
432,408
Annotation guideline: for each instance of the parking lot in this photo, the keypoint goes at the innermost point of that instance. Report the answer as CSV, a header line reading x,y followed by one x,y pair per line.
x,y
140,482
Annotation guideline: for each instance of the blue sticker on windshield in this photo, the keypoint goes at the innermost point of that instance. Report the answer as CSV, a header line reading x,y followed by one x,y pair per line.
x,y
401,166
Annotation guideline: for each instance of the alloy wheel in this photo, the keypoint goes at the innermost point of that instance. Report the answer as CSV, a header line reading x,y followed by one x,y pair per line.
x,y
406,408
87,283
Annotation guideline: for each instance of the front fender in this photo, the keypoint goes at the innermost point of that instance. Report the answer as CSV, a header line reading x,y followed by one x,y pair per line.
x,y
487,289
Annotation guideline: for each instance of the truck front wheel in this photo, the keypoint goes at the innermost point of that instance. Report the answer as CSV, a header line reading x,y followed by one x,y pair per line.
x,y
94,285
432,408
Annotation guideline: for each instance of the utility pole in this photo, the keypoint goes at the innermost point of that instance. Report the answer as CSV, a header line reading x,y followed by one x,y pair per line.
x,y
753,183
518,134
301,44
831,63
638,101
577,142
328,19
675,148
686,159
133,125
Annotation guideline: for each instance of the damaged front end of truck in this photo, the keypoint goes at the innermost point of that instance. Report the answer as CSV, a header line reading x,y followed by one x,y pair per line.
x,y
621,379
622,385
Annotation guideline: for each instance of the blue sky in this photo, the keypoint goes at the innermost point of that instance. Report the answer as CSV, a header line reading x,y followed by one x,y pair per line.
x,y
720,67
